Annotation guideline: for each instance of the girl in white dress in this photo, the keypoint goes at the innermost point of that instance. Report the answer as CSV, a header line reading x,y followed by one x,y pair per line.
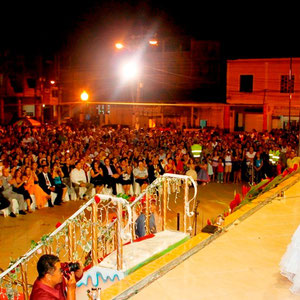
x,y
290,263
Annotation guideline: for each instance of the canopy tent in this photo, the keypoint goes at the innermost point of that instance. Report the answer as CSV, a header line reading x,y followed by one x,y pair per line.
x,y
27,122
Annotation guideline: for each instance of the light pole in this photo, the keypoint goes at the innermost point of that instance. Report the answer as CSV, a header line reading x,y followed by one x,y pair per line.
x,y
130,74
131,71
84,96
290,92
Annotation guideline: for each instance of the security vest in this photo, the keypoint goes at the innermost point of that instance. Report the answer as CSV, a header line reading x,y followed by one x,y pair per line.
x,y
271,157
196,150
274,156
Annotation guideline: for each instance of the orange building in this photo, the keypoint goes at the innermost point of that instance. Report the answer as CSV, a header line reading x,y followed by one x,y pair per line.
x,y
263,93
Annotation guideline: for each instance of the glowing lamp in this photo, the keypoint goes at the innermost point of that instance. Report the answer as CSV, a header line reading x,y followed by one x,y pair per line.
x,y
84,96
119,46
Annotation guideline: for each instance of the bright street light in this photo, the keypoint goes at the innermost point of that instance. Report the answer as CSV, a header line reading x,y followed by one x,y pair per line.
x,y
119,46
84,96
153,42
130,70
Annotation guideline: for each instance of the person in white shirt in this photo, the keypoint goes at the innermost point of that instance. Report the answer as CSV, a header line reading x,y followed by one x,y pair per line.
x,y
79,179
228,166
141,175
250,155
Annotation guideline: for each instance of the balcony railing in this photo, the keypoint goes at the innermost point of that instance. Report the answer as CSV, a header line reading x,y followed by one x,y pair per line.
x,y
99,227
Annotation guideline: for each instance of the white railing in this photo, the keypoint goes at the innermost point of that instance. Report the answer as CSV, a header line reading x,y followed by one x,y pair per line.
x,y
96,229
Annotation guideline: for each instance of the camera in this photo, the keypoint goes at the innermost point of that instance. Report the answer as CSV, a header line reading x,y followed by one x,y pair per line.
x,y
67,268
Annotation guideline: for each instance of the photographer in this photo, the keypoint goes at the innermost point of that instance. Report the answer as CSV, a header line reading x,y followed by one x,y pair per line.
x,y
51,284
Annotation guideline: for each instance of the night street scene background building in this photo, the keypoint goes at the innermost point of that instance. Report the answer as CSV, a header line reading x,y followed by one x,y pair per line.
x,y
211,66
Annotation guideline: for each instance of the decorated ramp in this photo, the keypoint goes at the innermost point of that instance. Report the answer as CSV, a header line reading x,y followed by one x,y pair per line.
x,y
105,237
130,251
135,255
102,235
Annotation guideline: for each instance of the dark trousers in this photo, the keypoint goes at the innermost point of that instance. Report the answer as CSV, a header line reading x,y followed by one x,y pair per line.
x,y
58,191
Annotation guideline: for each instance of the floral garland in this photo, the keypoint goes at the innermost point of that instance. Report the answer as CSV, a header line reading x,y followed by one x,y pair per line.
x,y
250,193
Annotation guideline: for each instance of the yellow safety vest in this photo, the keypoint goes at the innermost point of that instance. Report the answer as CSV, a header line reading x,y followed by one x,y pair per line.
x,y
196,150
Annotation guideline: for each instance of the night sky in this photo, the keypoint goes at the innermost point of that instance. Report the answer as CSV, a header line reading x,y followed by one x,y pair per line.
x,y
251,30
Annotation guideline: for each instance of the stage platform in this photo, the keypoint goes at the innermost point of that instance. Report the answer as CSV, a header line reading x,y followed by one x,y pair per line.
x,y
241,262
137,254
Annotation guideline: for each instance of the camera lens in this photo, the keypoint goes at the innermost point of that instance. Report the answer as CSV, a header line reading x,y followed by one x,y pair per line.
x,y
73,267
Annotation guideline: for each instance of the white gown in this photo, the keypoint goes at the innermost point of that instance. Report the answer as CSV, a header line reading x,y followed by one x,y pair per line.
x,y
290,262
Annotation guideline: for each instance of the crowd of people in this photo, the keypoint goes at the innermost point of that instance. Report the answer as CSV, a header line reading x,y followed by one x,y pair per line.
x,y
39,161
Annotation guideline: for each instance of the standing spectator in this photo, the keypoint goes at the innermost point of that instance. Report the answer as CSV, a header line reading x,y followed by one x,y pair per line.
x,y
215,160
140,226
220,170
237,166
210,170
202,175
258,164
155,221
228,166
250,163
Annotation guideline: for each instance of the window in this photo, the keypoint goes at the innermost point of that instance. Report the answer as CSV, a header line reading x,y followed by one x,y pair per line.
x,y
246,83
55,93
31,82
287,85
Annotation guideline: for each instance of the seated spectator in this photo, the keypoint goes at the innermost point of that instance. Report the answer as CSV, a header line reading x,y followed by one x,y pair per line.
x,y
58,175
126,176
18,184
31,185
46,182
97,178
170,166
4,203
293,159
179,165
79,179
141,175
155,169
110,174
9,194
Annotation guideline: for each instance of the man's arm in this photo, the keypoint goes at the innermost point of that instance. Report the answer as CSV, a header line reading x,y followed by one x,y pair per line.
x,y
71,286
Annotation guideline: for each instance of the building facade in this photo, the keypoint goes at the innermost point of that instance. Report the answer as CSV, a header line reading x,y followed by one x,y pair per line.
x,y
263,94
28,86
177,78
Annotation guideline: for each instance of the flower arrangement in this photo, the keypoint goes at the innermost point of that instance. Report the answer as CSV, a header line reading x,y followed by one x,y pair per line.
x,y
250,193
